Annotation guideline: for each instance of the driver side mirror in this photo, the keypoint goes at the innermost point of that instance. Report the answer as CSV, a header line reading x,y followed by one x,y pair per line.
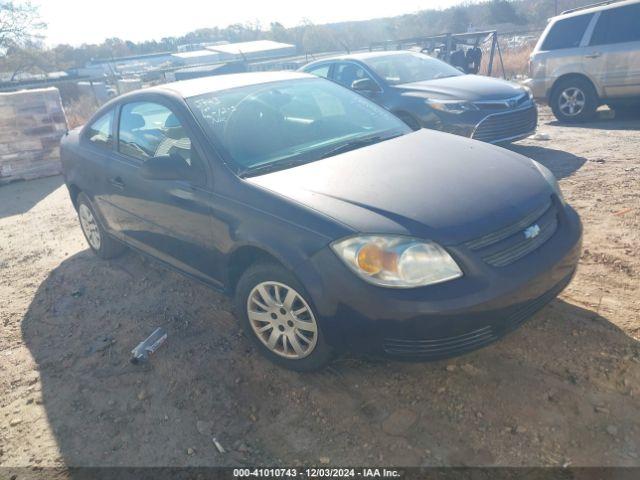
x,y
166,167
365,85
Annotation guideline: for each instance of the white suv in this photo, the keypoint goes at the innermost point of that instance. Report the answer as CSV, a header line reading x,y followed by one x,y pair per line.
x,y
588,57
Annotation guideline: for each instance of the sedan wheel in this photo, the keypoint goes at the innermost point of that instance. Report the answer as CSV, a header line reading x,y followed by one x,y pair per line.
x,y
277,314
98,239
282,320
89,226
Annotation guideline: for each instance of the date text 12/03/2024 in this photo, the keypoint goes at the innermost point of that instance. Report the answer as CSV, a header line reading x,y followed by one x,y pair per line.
x,y
316,473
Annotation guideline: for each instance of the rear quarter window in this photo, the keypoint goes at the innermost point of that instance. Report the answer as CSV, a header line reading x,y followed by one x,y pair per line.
x,y
100,132
566,33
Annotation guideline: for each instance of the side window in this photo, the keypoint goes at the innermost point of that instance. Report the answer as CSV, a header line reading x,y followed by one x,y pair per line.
x,y
100,132
320,71
347,73
617,25
150,130
567,33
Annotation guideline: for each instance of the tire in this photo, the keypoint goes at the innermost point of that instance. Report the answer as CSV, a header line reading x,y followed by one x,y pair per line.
x,y
410,121
574,100
271,321
102,244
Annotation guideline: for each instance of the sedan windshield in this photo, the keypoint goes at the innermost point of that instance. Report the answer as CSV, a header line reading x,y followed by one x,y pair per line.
x,y
410,67
277,125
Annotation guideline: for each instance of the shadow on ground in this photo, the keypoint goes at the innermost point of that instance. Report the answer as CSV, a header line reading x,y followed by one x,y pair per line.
x,y
529,399
561,163
25,194
607,120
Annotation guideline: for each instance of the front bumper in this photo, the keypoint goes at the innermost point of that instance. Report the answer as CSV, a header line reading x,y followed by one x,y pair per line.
x,y
490,126
449,318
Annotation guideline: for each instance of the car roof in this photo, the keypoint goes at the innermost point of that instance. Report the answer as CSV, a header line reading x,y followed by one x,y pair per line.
x,y
596,7
199,86
363,56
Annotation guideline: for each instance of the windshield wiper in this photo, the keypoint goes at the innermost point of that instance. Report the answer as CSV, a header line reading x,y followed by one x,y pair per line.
x,y
268,167
294,162
357,143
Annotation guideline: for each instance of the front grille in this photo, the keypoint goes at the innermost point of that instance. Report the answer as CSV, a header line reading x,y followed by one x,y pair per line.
x,y
509,244
503,126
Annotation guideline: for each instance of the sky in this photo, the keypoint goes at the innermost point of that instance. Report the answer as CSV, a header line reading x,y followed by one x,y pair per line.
x,y
89,21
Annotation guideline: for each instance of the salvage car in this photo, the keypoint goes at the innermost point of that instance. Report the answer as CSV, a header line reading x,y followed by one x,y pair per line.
x,y
425,92
331,223
587,57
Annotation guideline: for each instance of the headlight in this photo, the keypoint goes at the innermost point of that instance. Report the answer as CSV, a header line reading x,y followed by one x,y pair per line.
x,y
451,106
397,261
529,92
550,178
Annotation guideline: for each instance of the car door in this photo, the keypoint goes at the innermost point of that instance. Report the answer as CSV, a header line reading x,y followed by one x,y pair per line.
x,y
614,51
168,218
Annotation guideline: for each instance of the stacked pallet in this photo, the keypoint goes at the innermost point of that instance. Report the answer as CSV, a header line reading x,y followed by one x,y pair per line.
x,y
31,125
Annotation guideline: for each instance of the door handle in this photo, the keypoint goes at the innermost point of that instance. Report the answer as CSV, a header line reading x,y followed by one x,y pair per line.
x,y
592,55
117,182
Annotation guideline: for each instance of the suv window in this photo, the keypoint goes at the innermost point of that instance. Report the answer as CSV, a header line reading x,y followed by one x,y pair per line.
x,y
100,132
347,73
321,70
617,25
151,130
567,33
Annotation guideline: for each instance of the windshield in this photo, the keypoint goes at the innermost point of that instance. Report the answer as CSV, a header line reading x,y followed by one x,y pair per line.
x,y
411,67
281,124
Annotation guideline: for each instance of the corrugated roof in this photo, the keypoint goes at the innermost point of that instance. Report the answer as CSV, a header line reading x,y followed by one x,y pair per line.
x,y
195,54
250,47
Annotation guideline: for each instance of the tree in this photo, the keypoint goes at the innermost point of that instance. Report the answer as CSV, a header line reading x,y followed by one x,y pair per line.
x,y
503,11
18,24
459,22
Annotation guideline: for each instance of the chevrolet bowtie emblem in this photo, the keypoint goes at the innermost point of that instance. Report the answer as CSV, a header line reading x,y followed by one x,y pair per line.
x,y
532,232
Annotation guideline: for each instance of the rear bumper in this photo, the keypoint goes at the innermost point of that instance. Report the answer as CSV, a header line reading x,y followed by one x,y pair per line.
x,y
449,318
539,88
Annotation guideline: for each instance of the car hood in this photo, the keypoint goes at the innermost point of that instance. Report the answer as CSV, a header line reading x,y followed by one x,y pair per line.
x,y
428,184
464,87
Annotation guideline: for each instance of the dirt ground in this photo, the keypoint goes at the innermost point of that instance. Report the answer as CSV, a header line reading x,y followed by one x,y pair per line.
x,y
562,390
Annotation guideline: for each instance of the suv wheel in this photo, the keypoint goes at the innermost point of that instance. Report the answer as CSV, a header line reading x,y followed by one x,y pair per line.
x,y
275,312
100,242
574,100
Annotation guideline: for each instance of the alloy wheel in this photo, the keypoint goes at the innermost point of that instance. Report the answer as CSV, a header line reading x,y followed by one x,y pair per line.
x,y
89,226
572,101
282,320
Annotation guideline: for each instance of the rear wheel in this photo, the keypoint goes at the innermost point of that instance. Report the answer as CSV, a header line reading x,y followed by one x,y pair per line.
x,y
276,313
574,100
100,242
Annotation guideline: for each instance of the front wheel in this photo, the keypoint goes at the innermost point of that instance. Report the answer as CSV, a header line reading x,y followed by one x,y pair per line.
x,y
100,242
277,314
574,100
